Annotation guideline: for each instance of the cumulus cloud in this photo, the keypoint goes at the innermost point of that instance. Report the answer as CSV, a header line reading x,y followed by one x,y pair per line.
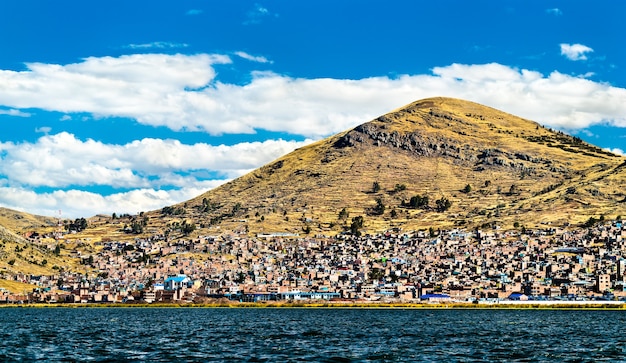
x,y
78,203
575,52
180,92
62,160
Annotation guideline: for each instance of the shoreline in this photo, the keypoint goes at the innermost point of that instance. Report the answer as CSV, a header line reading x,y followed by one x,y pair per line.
x,y
500,305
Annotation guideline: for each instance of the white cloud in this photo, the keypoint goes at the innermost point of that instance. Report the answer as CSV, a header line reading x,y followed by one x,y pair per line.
x,y
62,160
157,45
575,52
194,12
16,113
252,58
43,129
180,92
78,203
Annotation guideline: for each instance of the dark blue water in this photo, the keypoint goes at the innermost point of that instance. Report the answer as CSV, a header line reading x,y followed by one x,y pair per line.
x,y
310,335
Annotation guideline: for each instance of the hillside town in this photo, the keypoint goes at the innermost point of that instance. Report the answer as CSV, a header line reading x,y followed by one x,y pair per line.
x,y
555,264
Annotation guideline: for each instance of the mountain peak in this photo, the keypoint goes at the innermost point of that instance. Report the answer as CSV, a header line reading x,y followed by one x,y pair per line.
x,y
438,162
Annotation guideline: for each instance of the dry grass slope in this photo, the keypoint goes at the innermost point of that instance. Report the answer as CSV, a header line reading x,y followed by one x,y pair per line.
x,y
494,168
518,172
18,254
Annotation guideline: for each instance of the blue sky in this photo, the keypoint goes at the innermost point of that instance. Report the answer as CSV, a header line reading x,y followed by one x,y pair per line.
x,y
129,106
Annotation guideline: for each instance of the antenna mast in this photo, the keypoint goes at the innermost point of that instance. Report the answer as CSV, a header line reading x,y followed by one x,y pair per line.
x,y
59,232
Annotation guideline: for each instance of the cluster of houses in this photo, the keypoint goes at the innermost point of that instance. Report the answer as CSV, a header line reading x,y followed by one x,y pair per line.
x,y
453,265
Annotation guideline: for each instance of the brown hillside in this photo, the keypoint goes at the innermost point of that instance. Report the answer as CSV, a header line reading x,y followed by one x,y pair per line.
x,y
17,254
517,171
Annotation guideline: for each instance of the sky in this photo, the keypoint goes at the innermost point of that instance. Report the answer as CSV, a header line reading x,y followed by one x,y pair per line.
x,y
124,106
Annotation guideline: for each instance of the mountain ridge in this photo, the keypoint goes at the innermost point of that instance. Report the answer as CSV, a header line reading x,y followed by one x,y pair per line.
x,y
493,168
434,147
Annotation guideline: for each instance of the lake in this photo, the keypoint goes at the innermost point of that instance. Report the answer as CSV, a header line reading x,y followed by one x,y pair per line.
x,y
309,335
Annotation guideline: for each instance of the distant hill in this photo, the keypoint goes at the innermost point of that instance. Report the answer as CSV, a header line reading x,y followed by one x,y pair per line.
x,y
492,168
435,163
23,222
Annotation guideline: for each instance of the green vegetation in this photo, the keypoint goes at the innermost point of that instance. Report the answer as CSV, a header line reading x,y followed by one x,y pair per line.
x,y
417,201
356,225
343,214
379,209
442,204
399,188
187,228
78,225
376,187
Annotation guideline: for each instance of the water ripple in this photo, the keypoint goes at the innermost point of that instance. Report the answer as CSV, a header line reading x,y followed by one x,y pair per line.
x,y
309,335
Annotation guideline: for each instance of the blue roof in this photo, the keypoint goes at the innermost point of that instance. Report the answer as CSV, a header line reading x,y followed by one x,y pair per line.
x,y
435,296
176,279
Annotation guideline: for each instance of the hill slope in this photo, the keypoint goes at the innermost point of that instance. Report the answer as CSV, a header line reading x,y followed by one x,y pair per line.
x,y
17,254
494,168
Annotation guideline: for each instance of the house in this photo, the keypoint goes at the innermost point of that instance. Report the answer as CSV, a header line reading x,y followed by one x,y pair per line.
x,y
177,282
517,296
436,297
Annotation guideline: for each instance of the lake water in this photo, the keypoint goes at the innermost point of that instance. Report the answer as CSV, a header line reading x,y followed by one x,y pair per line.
x,y
309,335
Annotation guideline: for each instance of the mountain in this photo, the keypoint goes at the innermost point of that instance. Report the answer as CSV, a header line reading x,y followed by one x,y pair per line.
x,y
435,163
491,167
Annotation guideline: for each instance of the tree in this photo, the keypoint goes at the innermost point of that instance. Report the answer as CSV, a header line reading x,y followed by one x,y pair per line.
x,y
187,228
379,209
376,274
343,214
443,204
375,187
236,208
467,189
57,250
399,187
590,222
78,225
136,227
417,201
393,213
356,225
241,278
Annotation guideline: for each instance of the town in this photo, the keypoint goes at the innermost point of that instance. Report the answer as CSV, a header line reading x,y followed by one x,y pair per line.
x,y
541,264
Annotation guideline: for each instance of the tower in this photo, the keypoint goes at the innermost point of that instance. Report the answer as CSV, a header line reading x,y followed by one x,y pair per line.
x,y
59,232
